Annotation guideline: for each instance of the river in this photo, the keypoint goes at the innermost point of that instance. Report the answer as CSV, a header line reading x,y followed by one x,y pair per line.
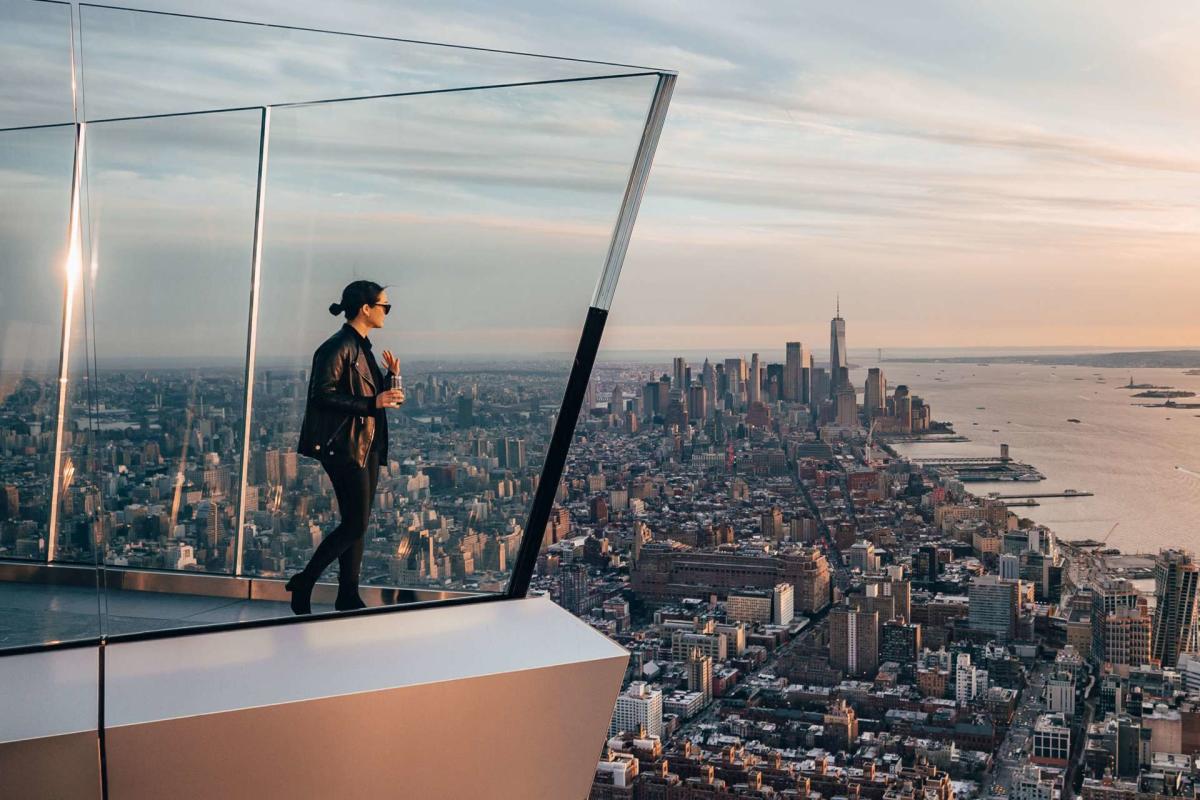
x,y
1142,463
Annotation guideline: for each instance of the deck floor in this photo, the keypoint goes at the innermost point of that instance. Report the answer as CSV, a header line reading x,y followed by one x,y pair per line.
x,y
36,613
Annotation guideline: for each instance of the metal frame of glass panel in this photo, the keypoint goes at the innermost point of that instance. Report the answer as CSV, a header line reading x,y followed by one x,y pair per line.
x,y
580,372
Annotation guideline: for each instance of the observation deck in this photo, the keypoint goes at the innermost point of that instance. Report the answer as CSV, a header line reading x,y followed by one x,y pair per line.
x,y
180,200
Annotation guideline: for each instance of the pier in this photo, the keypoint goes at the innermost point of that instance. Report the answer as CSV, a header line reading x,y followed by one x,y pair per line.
x,y
921,438
981,469
1040,495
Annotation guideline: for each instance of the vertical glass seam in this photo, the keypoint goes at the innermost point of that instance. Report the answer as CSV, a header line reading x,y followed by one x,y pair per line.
x,y
638,177
74,269
252,333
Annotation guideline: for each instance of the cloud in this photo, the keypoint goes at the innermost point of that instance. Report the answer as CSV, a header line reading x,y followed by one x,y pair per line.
x,y
917,154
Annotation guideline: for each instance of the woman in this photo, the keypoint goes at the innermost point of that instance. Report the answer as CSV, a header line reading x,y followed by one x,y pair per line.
x,y
345,428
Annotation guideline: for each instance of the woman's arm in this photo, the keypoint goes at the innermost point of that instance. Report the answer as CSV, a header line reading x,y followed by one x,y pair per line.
x,y
328,368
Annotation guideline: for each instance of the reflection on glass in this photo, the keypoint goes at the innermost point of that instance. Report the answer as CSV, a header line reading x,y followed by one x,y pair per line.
x,y
172,214
488,214
35,194
36,168
35,49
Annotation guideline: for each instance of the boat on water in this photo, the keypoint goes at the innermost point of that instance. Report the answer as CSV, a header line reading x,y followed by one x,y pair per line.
x,y
1072,419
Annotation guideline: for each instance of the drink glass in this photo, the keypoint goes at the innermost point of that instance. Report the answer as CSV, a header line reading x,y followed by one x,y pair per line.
x,y
397,382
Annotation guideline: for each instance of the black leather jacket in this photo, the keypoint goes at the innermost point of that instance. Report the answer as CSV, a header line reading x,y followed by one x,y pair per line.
x,y
340,418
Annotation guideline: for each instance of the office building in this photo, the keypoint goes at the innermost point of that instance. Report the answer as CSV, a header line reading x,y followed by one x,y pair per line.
x,y
970,681
846,406
875,393
862,557
854,641
900,641
639,707
783,604
1051,740
797,373
1110,595
749,605
700,674
754,393
838,365
665,574
994,606
1175,618
680,370
1059,694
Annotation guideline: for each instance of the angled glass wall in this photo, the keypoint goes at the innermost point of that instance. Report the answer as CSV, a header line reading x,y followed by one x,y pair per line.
x,y
486,213
174,243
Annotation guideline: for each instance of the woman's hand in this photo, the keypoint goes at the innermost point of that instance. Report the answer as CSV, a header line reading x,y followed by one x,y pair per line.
x,y
392,398
391,362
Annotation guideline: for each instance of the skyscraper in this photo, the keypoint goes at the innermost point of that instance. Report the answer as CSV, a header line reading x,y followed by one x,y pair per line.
x,y
698,403
735,369
681,370
993,606
708,378
846,405
1175,578
796,373
755,385
1120,623
837,351
854,641
875,395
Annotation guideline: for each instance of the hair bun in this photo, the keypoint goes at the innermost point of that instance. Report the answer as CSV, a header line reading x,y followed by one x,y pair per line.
x,y
335,309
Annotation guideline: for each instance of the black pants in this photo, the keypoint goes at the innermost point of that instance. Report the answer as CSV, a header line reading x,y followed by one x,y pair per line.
x,y
355,490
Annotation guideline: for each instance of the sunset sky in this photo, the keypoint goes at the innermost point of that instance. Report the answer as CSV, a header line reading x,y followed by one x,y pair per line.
x,y
984,174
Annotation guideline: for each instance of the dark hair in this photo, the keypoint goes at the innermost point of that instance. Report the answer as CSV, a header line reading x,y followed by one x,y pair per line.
x,y
355,296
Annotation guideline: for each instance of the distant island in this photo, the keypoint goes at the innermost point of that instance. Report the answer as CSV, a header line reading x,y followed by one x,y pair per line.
x,y
1164,393
1145,359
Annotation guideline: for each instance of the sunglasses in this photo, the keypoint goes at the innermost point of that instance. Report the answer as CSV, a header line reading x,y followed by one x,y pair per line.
x,y
387,307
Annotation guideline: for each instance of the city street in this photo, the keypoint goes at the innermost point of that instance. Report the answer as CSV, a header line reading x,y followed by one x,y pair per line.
x,y
1016,748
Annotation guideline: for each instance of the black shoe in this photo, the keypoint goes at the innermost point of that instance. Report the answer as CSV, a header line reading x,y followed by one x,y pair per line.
x,y
301,588
351,602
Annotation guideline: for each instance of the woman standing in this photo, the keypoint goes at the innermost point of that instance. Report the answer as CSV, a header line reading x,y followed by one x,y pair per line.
x,y
345,428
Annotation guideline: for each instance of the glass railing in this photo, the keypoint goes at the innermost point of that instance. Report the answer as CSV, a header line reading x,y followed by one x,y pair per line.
x,y
197,193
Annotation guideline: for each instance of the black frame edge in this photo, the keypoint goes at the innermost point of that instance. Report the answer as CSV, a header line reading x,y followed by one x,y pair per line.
x,y
556,454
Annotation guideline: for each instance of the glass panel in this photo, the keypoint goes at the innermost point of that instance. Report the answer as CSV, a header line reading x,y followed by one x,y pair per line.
x,y
35,49
36,169
35,177
487,215
140,63
172,221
